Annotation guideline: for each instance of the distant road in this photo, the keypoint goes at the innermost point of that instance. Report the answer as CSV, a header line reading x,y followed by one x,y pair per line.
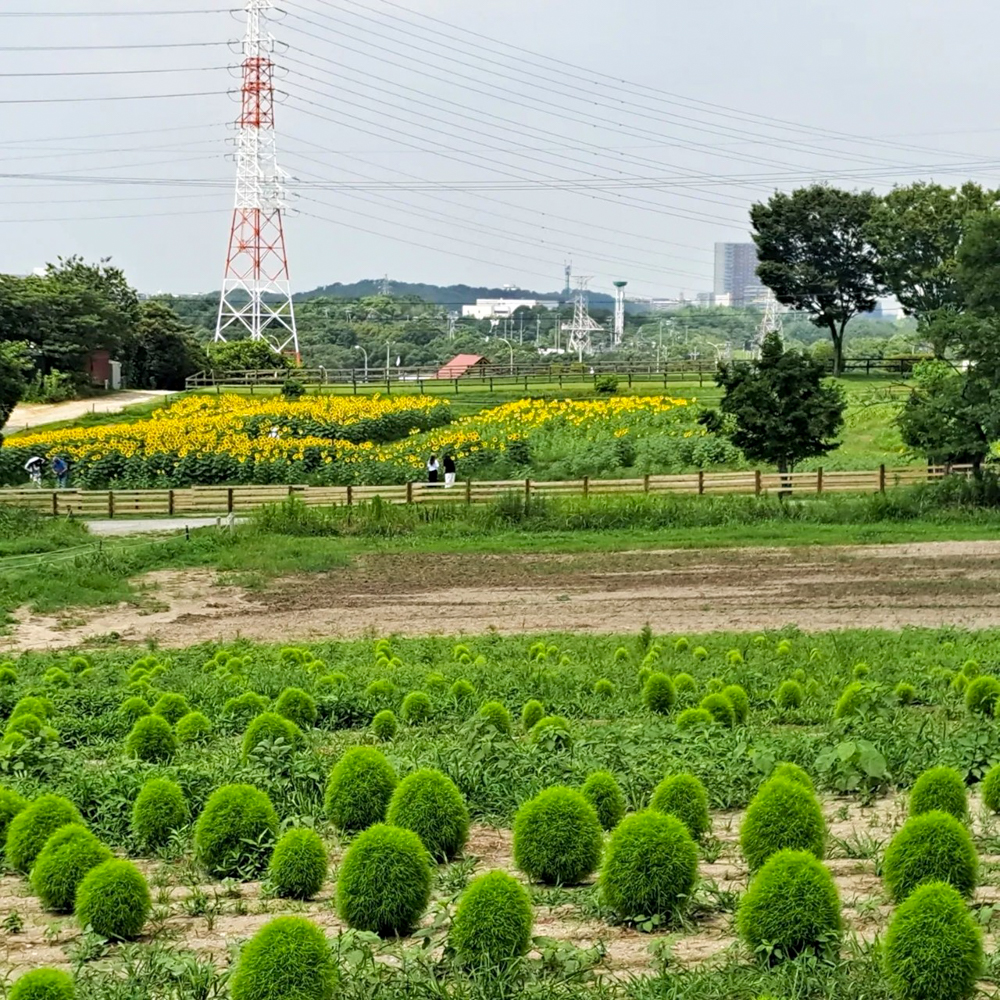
x,y
30,415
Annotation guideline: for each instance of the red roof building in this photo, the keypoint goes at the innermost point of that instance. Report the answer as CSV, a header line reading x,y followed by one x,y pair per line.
x,y
462,364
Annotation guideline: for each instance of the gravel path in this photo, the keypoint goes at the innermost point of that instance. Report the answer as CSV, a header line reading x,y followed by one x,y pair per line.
x,y
151,525
30,415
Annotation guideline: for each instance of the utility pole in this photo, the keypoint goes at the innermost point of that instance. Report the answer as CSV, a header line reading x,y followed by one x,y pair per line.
x,y
619,333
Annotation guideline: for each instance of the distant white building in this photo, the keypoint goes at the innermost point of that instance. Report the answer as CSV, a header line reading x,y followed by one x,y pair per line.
x,y
503,308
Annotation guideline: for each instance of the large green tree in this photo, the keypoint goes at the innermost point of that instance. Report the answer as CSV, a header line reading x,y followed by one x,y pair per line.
x,y
15,366
816,255
161,351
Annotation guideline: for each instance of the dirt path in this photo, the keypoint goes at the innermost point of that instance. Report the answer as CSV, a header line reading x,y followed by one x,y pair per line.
x,y
889,586
28,415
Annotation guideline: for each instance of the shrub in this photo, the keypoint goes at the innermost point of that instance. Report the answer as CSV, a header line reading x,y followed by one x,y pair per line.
x,y
650,866
298,865
114,901
492,925
603,688
8,676
193,728
417,708
852,699
552,733
699,653
133,709
790,696
684,796
694,718
793,773
532,713
605,795
297,706
933,948
384,725
43,984
287,959
63,862
991,793
42,708
931,847
385,881
160,808
462,691
720,708
246,707
10,805
685,684
791,908
29,726
235,832
940,788
428,803
151,740
380,692
269,728
172,707
359,789
557,837
905,694
29,830
784,815
658,694
740,702
494,714
981,695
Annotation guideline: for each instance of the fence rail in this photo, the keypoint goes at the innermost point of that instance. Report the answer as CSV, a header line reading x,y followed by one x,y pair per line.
x,y
221,500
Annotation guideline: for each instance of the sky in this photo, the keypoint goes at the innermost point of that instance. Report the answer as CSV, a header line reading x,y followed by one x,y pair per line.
x,y
482,143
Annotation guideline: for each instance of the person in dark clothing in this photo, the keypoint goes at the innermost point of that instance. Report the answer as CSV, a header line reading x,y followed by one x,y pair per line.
x,y
449,471
432,470
60,468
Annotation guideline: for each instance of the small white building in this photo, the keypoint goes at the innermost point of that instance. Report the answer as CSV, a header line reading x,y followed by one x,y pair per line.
x,y
503,308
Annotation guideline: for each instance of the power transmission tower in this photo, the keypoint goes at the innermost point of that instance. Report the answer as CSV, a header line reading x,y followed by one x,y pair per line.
x,y
770,323
619,334
256,291
583,324
568,287
386,288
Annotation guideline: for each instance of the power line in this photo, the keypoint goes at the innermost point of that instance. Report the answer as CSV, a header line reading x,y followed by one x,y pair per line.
x,y
121,72
102,48
112,13
119,97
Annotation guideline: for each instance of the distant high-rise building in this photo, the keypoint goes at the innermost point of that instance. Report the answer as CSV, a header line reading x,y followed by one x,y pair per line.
x,y
736,273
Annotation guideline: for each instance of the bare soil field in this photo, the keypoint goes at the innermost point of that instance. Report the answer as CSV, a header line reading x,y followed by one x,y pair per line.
x,y
929,584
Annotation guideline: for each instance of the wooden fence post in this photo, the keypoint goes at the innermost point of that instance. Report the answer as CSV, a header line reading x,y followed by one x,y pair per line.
x,y
881,478
645,483
409,492
170,502
701,482
230,500
468,491
819,479
586,486
350,495
756,482
111,503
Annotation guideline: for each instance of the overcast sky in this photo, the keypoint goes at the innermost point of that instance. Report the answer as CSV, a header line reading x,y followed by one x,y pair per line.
x,y
487,142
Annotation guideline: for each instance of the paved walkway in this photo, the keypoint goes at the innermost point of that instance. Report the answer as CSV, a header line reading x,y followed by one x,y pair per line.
x,y
28,415
150,525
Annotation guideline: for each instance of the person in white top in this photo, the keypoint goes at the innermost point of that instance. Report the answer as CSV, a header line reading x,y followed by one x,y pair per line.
x,y
432,471
449,470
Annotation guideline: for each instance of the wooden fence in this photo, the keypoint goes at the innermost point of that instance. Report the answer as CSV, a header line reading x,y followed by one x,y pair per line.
x,y
223,500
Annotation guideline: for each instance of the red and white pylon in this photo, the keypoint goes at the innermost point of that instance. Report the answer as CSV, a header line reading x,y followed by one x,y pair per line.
x,y
256,291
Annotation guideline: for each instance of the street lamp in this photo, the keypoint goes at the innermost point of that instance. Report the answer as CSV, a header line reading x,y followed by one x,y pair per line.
x,y
358,347
511,346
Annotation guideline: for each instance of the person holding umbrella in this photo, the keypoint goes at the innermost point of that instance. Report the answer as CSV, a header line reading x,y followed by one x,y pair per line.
x,y
34,467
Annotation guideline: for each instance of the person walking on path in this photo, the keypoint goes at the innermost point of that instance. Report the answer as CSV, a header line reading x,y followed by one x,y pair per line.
x,y
449,470
61,471
432,471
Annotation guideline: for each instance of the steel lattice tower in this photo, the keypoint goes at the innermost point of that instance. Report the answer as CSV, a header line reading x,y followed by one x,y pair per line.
x,y
256,292
583,324
619,335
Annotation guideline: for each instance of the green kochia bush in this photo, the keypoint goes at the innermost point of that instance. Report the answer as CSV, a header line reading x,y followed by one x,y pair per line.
x,y
287,959
43,984
10,805
384,725
62,864
385,881
695,718
193,728
933,948
114,900
428,803
557,837
152,740
297,706
605,795
417,707
684,796
931,847
133,709
160,808
552,733
981,695
784,815
793,773
298,865
268,728
720,708
532,713
650,867
940,788
172,707
495,714
235,832
658,693
244,708
492,925
359,789
791,907
31,828
739,700
991,792
790,696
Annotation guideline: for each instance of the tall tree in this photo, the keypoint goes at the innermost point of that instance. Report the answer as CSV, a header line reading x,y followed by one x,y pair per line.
x,y
816,255
14,368
162,351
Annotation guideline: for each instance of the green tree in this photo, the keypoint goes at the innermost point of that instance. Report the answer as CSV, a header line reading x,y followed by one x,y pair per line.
x,y
246,355
815,255
14,368
161,351
780,408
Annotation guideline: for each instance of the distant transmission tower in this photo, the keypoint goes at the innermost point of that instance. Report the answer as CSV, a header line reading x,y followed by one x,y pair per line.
x,y
583,324
619,334
770,323
256,292
568,287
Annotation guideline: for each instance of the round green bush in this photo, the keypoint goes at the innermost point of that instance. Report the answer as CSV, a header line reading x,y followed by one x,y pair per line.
x,y
269,728
29,830
462,691
159,809
495,714
31,705
152,740
381,692
940,788
114,901
658,694
29,726
63,862
235,832
193,728
359,789
330,684
10,805
8,676
298,865
694,718
557,837
790,696
784,815
289,958
603,688
931,847
605,795
720,708
650,866
385,881
532,713
684,796
417,708
43,984
791,908
740,702
793,773
981,695
172,707
428,803
133,709
904,693
552,733
685,685
492,925
245,708
851,700
933,949
297,706
991,792
384,725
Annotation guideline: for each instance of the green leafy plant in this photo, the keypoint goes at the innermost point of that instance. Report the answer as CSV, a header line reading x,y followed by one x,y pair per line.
x,y
30,829
359,789
695,718
684,796
793,773
160,808
152,740
853,766
604,793
552,734
62,864
236,831
133,709
289,957
114,901
557,837
43,984
298,865
244,708
428,803
270,728
931,847
783,815
492,925
940,788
